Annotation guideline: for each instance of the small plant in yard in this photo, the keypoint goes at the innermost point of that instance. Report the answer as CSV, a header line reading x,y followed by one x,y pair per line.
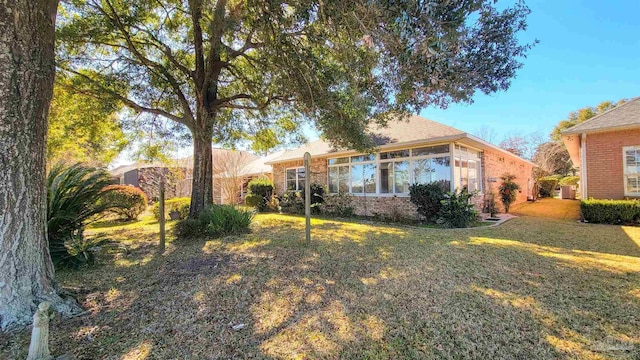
x,y
75,195
340,204
215,220
428,198
128,202
490,205
180,206
508,191
292,202
456,210
260,192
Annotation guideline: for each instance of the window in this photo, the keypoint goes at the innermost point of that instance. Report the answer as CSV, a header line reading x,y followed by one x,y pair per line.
x,y
391,172
432,169
295,178
631,170
467,169
363,179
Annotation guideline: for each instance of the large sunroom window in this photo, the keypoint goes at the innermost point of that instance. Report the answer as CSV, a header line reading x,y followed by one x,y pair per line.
x,y
390,172
632,170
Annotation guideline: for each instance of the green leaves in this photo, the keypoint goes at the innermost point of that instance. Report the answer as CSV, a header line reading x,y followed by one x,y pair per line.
x,y
74,195
340,65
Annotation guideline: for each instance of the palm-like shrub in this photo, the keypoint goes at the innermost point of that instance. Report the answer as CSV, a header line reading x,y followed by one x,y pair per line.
x,y
508,191
74,196
215,220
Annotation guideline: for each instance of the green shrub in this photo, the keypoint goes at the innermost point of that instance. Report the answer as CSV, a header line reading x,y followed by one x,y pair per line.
x,y
508,191
317,197
75,251
547,186
338,205
74,196
569,180
262,188
292,202
457,211
610,211
128,202
215,220
428,198
253,200
181,205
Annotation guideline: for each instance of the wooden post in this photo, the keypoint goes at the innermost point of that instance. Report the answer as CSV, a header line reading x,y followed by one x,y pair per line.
x,y
307,196
161,219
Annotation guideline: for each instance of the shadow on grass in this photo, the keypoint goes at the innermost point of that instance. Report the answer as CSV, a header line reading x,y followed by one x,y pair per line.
x,y
362,291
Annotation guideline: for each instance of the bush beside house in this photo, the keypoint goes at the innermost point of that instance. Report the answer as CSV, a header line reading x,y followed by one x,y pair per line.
x,y
610,211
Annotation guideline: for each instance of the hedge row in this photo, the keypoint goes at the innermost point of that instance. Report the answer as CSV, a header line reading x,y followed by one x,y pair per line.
x,y
611,211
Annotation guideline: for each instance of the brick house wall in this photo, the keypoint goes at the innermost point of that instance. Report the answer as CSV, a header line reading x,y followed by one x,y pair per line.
x,y
605,177
318,173
494,165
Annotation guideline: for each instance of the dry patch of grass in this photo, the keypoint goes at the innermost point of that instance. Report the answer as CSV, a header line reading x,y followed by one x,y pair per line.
x,y
531,288
549,208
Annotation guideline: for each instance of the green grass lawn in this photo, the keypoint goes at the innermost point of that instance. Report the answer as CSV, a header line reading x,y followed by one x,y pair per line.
x,y
531,288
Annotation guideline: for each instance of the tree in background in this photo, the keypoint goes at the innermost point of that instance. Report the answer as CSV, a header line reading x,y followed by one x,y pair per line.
x,y
522,145
487,134
582,115
27,30
229,171
83,128
552,157
224,69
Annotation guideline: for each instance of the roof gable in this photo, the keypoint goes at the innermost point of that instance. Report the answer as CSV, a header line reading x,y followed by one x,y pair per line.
x,y
620,117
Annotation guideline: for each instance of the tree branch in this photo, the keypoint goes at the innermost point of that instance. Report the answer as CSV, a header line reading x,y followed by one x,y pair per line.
x,y
148,62
128,102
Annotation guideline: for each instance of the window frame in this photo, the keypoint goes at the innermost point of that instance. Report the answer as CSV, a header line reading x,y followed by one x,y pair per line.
x,y
286,180
377,161
625,174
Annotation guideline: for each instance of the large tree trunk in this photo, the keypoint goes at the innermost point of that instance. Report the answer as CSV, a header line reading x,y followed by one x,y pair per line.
x,y
26,86
202,186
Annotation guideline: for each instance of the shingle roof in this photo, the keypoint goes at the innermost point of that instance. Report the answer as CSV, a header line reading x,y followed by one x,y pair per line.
x,y
623,116
416,128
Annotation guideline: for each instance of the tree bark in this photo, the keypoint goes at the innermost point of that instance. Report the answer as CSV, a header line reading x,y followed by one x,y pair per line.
x,y
202,185
26,87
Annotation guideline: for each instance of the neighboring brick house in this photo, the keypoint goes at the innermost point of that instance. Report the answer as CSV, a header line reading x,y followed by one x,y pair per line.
x,y
147,176
414,151
606,148
226,164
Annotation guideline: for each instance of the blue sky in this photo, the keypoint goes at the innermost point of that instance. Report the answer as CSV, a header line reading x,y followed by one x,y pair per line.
x,y
589,51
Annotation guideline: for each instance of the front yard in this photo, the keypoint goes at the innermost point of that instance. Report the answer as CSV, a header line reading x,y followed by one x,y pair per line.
x,y
531,288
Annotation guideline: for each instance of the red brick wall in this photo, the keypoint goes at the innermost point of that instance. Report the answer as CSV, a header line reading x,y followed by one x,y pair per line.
x,y
495,164
604,162
318,173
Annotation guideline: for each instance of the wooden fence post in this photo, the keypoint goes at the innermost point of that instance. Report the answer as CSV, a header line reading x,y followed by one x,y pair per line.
x,y
161,218
307,196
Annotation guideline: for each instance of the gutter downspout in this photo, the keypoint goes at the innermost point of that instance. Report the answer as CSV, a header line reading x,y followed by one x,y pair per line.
x,y
583,166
